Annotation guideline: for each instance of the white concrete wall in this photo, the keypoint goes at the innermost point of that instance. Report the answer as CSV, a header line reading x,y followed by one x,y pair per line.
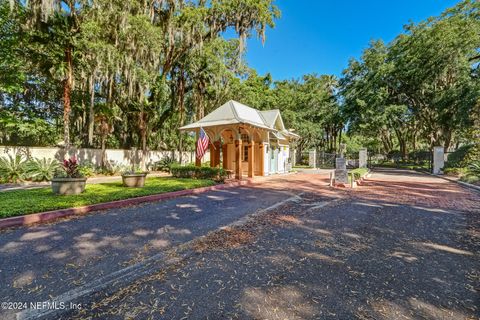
x,y
282,159
266,159
438,160
115,156
362,158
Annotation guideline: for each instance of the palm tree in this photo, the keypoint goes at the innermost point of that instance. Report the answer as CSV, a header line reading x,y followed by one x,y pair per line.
x,y
60,18
105,116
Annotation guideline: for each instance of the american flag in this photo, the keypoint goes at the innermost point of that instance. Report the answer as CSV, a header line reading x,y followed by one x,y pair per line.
x,y
202,144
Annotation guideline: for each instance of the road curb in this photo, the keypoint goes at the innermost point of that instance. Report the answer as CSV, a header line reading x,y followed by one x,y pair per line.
x,y
465,184
42,217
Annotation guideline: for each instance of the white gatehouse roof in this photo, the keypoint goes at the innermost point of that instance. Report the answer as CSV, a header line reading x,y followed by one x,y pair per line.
x,y
234,112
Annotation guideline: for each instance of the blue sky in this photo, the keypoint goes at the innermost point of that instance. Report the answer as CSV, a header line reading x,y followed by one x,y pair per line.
x,y
320,36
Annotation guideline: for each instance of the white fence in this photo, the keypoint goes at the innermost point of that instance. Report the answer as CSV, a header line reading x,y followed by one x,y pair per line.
x,y
94,156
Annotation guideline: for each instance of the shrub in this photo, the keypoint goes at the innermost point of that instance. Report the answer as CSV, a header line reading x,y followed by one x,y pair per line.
x,y
164,164
216,174
118,169
473,179
358,173
419,156
460,157
41,169
394,155
113,169
455,171
70,169
87,169
12,168
132,170
474,168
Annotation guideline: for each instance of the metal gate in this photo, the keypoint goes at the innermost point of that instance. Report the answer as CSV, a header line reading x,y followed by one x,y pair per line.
x,y
326,160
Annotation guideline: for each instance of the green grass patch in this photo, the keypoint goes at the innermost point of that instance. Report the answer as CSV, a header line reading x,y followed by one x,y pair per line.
x,y
300,166
457,172
400,165
357,173
471,178
20,202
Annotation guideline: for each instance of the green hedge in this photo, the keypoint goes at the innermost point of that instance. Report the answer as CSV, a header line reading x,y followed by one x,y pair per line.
x,y
216,174
358,173
463,156
455,171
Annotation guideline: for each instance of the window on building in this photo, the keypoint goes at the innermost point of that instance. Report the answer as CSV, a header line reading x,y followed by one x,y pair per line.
x,y
245,142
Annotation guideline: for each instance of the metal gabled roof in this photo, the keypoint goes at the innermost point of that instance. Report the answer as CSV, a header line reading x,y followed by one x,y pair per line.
x,y
271,117
232,112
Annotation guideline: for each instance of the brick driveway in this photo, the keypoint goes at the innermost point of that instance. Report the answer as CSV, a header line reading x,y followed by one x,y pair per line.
x,y
413,188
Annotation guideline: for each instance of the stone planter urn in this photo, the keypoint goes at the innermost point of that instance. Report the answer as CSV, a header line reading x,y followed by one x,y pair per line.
x,y
134,180
65,186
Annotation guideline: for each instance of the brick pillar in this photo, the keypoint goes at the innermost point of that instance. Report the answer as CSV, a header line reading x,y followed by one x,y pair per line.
x,y
251,159
238,159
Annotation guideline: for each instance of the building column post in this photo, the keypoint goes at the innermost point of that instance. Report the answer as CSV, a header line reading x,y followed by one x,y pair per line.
x,y
225,156
212,155
217,153
262,158
251,159
198,162
238,159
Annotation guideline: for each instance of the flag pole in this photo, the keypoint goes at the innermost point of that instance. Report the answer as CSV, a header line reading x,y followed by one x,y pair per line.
x,y
198,161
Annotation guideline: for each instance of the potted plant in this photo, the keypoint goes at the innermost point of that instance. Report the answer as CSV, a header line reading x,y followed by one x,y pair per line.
x,y
69,180
134,178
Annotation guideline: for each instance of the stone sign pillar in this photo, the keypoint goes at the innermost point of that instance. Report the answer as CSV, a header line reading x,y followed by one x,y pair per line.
x,y
341,173
438,160
342,149
312,158
362,158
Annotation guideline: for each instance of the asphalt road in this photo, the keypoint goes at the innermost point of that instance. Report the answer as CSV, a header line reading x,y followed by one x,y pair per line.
x,y
402,246
40,262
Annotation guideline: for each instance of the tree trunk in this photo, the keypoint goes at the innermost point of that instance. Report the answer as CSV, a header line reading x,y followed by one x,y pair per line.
x,y
143,136
402,143
67,92
104,154
448,140
181,107
91,112
84,123
335,142
414,138
340,138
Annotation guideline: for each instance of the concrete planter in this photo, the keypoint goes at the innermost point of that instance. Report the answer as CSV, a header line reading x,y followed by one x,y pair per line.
x,y
134,180
68,185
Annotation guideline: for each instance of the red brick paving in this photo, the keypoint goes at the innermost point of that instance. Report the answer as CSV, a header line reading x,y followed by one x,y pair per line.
x,y
395,186
419,190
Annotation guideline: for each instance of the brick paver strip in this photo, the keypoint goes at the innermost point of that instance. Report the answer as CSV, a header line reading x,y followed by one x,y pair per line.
x,y
61,213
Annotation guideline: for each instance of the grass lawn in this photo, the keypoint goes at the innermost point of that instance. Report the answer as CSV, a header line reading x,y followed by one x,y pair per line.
x,y
401,165
20,202
471,178
357,173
